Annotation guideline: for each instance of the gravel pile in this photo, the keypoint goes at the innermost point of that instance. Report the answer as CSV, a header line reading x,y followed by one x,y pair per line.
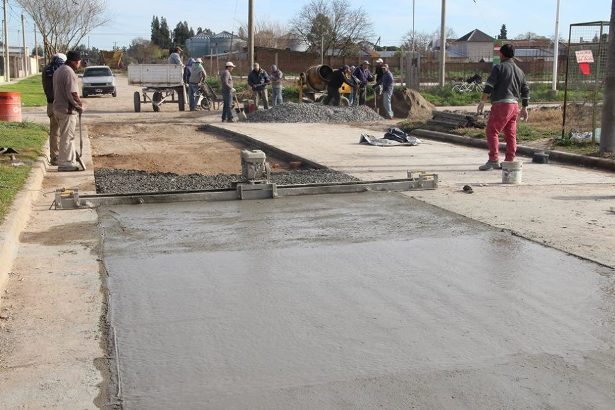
x,y
120,181
314,113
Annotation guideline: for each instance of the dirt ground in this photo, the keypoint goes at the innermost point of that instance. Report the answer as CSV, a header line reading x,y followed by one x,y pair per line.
x,y
167,141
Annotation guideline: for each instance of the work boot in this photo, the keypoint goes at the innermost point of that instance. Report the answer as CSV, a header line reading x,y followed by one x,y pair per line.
x,y
490,165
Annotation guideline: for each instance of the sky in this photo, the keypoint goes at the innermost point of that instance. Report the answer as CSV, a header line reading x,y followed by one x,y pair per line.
x,y
391,19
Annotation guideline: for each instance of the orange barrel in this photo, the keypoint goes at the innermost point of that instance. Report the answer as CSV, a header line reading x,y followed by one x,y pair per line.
x,y
10,106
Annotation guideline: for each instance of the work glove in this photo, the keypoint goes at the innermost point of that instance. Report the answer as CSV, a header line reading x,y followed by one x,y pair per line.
x,y
233,90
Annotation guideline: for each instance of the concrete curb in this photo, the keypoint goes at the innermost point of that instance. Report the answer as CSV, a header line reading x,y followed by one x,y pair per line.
x,y
18,216
563,157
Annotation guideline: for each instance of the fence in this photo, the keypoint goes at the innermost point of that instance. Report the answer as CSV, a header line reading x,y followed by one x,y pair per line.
x,y
585,75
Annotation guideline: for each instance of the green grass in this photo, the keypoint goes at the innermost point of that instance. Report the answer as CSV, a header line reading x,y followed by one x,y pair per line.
x,y
31,90
27,139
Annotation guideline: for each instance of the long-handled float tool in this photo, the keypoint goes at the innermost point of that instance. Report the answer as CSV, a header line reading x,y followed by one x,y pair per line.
x,y
80,153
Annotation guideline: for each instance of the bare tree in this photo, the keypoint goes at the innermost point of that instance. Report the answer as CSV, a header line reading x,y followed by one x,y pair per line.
x,y
64,23
607,137
419,40
334,23
267,34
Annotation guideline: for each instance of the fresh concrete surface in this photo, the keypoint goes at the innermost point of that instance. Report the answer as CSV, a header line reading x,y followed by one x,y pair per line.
x,y
52,346
356,301
566,207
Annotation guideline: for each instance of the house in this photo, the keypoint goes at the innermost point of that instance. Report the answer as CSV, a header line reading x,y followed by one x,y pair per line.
x,y
16,64
474,47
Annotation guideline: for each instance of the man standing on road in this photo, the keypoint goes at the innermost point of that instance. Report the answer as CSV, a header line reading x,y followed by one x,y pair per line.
x,y
276,85
54,128
386,82
336,79
197,77
66,105
505,85
363,76
226,82
258,80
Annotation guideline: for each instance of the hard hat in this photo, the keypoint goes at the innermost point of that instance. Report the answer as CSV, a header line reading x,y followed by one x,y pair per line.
x,y
229,64
380,61
366,62
198,60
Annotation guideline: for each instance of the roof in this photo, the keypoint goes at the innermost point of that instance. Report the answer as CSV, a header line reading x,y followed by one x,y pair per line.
x,y
476,36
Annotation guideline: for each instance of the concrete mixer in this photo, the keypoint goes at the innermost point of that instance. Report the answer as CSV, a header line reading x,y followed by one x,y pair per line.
x,y
315,81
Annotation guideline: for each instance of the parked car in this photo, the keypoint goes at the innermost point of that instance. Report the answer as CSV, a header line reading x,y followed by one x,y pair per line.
x,y
98,79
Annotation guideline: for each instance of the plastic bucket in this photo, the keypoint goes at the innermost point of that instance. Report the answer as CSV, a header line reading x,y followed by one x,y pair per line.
x,y
512,172
10,106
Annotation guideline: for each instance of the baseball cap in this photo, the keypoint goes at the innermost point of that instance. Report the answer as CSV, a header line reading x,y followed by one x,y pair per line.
x,y
366,62
380,60
198,60
229,64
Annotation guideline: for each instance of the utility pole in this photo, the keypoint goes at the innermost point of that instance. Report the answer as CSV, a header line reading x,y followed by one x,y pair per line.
x,y
555,49
25,50
7,65
443,46
251,33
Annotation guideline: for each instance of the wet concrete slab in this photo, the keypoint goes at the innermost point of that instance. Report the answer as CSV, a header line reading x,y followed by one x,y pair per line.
x,y
350,301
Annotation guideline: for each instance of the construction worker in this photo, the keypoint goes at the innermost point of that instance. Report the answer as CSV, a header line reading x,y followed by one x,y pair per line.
x,y
277,76
363,76
226,83
336,79
386,82
175,57
54,127
505,85
197,77
66,105
258,80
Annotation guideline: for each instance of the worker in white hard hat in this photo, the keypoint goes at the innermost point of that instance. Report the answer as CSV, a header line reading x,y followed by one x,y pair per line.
x,y
197,78
226,82
54,127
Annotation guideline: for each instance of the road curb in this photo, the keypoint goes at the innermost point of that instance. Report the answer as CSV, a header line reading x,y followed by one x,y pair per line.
x,y
559,156
17,218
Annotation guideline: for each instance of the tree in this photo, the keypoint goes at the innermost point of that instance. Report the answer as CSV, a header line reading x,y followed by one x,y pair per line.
x,y
205,31
419,40
530,36
64,23
161,36
503,33
607,137
144,51
332,22
267,34
181,33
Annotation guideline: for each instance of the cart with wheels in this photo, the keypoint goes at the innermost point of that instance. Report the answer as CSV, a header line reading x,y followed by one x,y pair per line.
x,y
162,84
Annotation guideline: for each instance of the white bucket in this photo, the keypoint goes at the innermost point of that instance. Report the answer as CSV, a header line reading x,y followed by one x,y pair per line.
x,y
512,172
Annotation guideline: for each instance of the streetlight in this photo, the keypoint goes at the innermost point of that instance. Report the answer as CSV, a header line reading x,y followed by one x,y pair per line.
x,y
443,45
555,49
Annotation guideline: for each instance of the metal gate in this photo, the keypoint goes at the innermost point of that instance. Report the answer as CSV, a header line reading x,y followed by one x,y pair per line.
x,y
585,74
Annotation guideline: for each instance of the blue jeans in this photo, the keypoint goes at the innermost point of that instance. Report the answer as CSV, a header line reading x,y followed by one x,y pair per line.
x,y
192,89
227,101
386,102
276,96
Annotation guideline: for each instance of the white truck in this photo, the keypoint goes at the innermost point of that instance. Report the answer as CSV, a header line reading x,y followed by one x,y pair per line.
x,y
163,81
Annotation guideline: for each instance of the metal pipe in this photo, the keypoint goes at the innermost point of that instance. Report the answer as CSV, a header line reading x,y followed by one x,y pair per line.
x,y
25,50
251,34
